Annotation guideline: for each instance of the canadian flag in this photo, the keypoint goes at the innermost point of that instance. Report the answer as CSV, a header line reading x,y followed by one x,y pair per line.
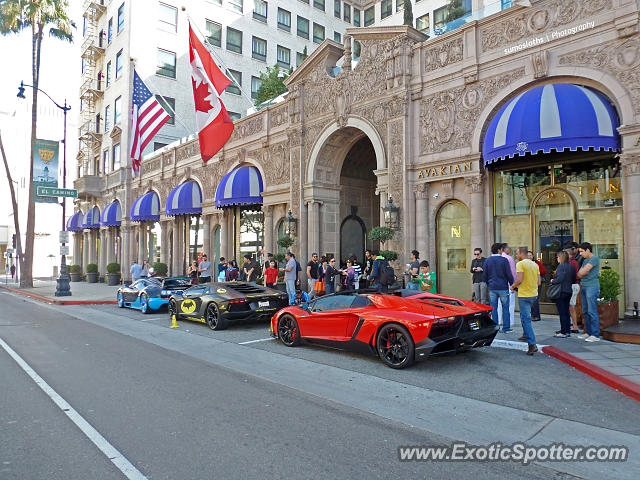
x,y
212,120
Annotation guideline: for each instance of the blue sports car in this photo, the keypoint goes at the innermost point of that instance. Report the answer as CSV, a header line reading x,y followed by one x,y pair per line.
x,y
149,294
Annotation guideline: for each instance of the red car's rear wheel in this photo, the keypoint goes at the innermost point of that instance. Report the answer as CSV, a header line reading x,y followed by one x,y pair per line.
x,y
395,346
288,331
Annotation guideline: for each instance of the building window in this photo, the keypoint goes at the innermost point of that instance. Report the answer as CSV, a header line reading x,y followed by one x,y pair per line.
x,y
158,145
439,17
336,8
300,57
235,116
284,19
98,118
99,81
214,33
234,40
81,104
386,9
107,118
356,17
260,10
369,16
303,27
120,18
318,33
118,64
117,110
236,83
108,76
422,23
347,12
101,38
399,5
168,17
319,4
284,57
115,164
235,5
255,86
110,31
259,48
105,161
337,37
169,104
83,64
166,64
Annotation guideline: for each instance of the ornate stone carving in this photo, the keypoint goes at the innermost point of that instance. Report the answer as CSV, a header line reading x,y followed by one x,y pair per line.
x,y
449,117
447,189
446,53
246,127
188,150
149,166
474,184
540,62
276,164
630,164
421,190
278,116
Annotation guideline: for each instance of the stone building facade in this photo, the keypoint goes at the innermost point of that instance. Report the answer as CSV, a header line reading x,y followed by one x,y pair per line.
x,y
409,121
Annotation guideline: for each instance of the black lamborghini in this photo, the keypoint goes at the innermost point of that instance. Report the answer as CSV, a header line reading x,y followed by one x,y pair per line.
x,y
219,303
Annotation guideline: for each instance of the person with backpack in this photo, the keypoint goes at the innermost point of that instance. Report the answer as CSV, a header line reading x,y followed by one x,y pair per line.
x,y
382,274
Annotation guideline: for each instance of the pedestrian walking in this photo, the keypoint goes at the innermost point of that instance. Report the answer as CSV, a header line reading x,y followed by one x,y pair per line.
x,y
13,271
135,271
565,278
413,269
480,288
498,277
330,277
271,274
526,284
192,272
204,268
506,253
312,273
290,275
380,272
535,310
588,275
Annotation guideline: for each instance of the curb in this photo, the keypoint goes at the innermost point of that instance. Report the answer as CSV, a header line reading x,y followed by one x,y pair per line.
x,y
41,298
616,382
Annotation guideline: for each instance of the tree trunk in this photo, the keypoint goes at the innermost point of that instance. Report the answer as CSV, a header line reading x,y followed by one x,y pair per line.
x,y
16,218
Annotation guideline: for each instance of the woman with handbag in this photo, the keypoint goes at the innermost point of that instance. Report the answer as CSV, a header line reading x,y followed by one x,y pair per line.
x,y
560,289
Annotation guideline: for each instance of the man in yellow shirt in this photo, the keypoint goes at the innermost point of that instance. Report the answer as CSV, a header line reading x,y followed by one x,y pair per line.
x,y
527,281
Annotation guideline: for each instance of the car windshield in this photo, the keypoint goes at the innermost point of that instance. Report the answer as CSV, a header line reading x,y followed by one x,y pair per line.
x,y
176,282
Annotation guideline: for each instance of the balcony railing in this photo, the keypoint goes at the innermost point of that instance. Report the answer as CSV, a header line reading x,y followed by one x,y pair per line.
x,y
92,185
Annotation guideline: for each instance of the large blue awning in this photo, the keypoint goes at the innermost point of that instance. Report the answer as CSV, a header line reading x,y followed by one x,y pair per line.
x,y
185,199
241,186
553,117
91,219
74,224
146,208
111,215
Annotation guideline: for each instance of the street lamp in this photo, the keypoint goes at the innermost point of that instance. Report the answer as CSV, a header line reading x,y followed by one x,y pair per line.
x,y
292,225
391,215
62,283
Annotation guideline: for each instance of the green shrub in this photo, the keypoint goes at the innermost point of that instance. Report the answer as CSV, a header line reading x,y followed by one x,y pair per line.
x,y
92,268
160,268
381,234
285,242
610,287
389,255
75,268
113,268
279,257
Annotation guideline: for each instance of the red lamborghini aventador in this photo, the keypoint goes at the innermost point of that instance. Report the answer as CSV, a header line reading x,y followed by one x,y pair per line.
x,y
399,327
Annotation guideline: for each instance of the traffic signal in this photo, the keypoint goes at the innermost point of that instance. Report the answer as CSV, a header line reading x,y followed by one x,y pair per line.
x,y
21,90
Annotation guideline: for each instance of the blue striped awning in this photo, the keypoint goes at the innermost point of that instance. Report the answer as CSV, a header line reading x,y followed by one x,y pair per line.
x,y
74,224
111,215
241,186
185,199
146,208
91,219
553,117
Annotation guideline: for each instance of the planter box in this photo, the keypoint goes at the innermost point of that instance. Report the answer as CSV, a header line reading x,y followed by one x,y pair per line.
x,y
92,277
113,279
608,314
76,277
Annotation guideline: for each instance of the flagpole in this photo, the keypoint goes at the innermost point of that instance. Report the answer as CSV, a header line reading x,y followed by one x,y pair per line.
x,y
175,115
219,60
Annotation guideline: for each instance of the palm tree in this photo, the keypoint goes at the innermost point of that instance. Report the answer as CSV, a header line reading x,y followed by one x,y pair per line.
x,y
38,15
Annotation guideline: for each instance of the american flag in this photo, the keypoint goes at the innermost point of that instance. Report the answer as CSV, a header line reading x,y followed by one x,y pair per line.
x,y
148,116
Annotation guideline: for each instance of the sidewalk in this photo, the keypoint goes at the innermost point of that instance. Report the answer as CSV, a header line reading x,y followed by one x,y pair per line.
x,y
82,293
621,360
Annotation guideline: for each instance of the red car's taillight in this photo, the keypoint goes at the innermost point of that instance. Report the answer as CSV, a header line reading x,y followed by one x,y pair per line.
x,y
239,300
445,320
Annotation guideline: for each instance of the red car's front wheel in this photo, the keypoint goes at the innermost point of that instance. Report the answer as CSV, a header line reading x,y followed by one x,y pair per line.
x,y
395,346
288,331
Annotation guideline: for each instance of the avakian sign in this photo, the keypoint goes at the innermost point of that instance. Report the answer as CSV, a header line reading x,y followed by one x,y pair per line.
x,y
445,170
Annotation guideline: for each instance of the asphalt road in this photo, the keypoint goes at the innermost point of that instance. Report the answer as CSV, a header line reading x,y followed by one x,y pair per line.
x,y
196,404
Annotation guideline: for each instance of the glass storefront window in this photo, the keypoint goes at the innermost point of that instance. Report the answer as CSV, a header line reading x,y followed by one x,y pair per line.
x,y
154,243
251,232
516,189
594,184
454,250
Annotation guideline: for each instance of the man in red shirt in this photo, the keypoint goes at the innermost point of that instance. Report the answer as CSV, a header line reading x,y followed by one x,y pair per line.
x,y
535,308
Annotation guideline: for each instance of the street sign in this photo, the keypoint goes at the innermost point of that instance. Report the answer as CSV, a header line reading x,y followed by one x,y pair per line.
x,y
64,237
56,192
64,249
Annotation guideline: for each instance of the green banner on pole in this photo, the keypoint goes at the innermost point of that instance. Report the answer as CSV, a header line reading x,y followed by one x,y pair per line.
x,y
45,168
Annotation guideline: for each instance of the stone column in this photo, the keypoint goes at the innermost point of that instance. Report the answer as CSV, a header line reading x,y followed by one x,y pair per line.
x,y
77,248
109,250
631,220
126,250
313,209
142,251
268,229
164,242
421,192
85,250
102,264
224,236
177,246
475,189
206,236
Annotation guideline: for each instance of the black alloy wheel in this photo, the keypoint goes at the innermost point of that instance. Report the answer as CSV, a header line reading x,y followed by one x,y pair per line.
x,y
212,316
395,346
173,308
288,331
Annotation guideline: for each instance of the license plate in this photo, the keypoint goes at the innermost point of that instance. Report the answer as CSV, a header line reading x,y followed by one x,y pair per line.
x,y
263,304
474,325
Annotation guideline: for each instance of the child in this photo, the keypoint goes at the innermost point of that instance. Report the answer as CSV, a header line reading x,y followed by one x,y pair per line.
x,y
232,271
426,279
271,275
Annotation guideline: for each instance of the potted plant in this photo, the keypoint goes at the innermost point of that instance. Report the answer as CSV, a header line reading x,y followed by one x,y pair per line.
x,y
160,269
610,288
92,273
113,274
285,242
75,272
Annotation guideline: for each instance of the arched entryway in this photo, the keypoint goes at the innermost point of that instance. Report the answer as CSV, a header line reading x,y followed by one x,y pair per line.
x,y
453,239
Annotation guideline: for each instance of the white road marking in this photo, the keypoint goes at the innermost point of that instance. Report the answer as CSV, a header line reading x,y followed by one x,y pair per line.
x,y
513,345
256,341
124,465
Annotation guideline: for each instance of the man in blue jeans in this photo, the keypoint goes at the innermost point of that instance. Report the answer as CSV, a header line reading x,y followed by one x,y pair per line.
x,y
527,283
290,276
588,275
497,275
